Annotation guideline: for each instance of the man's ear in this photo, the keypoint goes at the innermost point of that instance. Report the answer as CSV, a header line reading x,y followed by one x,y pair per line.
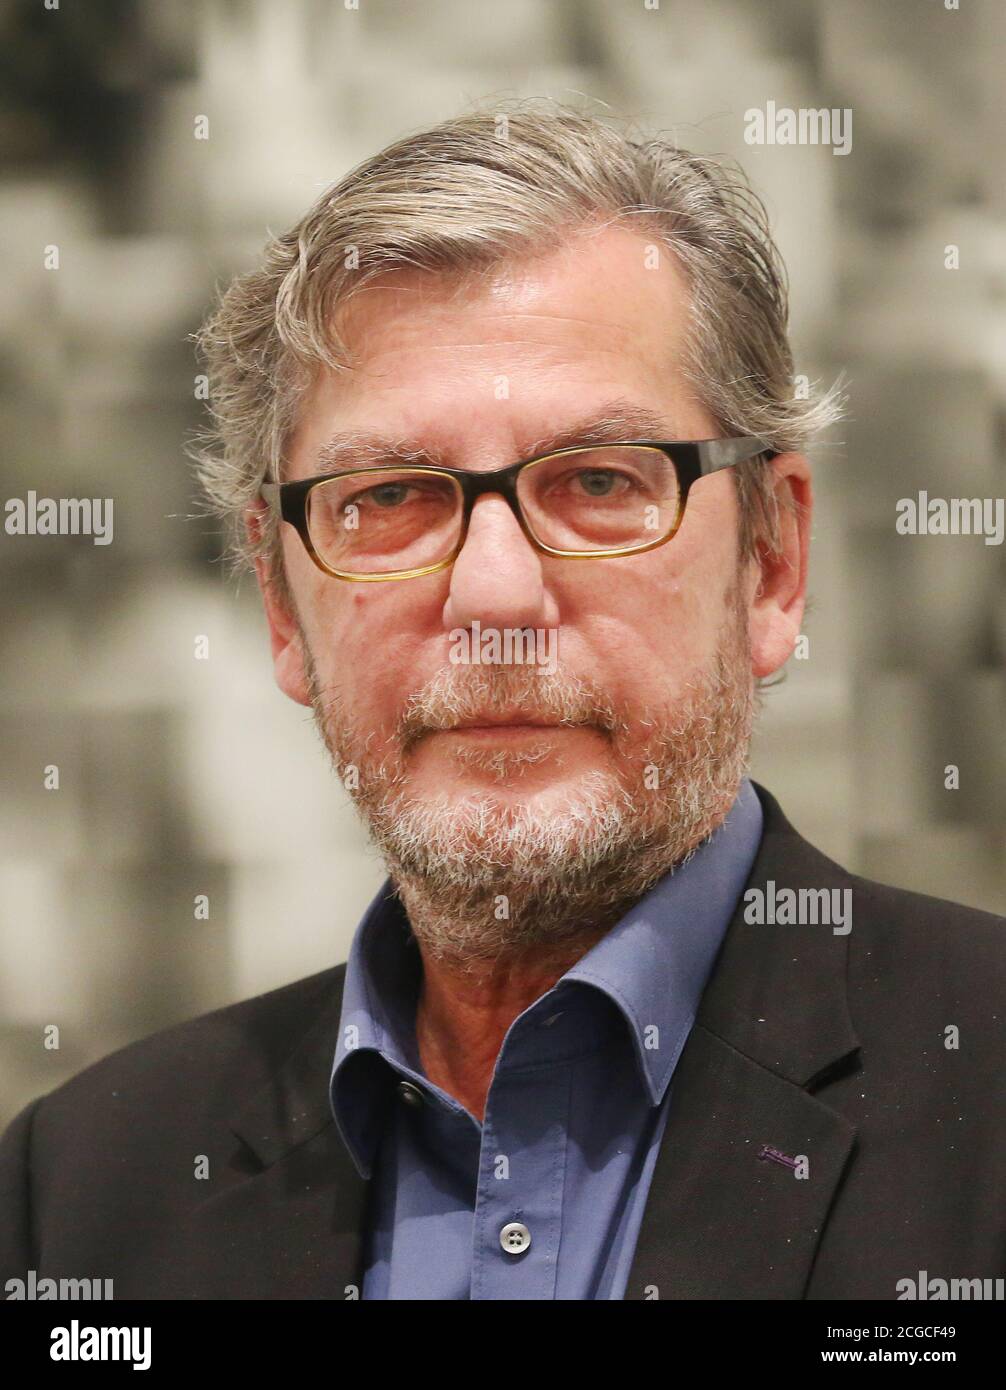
x,y
286,640
776,608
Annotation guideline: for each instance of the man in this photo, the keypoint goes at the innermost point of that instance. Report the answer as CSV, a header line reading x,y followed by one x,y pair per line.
x,y
612,1029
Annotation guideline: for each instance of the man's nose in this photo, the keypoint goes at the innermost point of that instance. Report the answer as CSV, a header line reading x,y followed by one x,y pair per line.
x,y
497,578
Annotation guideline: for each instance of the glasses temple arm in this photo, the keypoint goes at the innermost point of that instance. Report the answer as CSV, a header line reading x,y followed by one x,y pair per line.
x,y
715,454
270,494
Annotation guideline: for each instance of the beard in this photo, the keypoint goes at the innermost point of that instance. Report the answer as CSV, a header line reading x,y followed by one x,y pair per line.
x,y
486,877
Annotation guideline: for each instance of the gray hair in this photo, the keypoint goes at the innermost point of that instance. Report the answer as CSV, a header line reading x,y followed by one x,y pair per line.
x,y
489,186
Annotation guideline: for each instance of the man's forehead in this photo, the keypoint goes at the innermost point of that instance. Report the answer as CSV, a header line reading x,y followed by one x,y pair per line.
x,y
608,279
604,325
607,423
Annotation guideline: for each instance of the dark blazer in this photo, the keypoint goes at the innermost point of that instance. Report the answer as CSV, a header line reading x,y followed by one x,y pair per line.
x,y
813,1043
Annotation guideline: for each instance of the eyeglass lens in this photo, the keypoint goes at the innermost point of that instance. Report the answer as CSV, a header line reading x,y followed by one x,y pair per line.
x,y
381,521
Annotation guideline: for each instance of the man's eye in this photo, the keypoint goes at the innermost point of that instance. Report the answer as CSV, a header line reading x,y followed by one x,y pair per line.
x,y
390,494
383,495
601,482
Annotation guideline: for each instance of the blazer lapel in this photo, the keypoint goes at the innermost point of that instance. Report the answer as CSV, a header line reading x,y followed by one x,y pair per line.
x,y
291,1228
722,1221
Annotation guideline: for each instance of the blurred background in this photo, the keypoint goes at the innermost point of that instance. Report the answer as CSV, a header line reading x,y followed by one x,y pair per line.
x,y
181,777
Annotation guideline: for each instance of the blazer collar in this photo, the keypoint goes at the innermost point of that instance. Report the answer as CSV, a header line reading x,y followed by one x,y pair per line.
x,y
287,1220
720,1222
777,992
724,1219
293,1105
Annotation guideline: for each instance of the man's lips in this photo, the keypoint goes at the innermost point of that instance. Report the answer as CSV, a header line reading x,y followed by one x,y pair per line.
x,y
503,729
489,721
489,727
503,726
495,728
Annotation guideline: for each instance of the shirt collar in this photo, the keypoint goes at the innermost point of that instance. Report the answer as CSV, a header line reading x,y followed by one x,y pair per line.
x,y
652,965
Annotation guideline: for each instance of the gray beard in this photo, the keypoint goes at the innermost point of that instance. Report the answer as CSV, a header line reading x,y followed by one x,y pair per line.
x,y
484,879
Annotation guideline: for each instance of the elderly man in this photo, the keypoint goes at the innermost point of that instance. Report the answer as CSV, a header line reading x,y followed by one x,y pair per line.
x,y
507,426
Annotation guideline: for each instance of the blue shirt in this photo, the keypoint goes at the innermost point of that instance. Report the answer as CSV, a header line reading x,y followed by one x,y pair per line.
x,y
575,1111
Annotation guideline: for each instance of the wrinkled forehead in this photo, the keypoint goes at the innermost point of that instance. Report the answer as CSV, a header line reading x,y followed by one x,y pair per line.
x,y
614,287
523,356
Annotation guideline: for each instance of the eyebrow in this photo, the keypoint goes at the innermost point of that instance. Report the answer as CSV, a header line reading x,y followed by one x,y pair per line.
x,y
609,424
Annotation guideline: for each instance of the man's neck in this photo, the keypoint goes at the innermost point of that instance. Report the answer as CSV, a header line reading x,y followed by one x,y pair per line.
x,y
475,983
464,1012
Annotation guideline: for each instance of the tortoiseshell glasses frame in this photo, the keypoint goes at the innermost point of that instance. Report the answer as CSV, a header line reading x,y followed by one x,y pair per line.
x,y
692,459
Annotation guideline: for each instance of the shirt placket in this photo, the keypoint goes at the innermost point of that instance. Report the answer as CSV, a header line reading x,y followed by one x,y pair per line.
x,y
522,1173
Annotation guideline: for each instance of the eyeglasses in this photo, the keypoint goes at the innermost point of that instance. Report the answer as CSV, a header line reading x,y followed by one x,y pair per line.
x,y
584,502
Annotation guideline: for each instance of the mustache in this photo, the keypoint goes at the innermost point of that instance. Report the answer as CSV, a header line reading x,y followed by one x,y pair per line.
x,y
459,693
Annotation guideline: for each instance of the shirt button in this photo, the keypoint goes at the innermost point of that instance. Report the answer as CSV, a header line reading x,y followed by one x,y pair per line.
x,y
411,1095
515,1238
